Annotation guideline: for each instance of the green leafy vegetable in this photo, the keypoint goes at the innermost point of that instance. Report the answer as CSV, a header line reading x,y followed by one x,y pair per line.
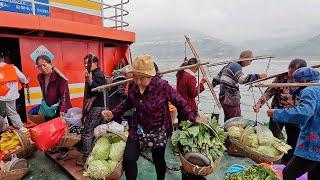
x,y
269,151
199,138
235,131
101,149
112,164
116,150
97,169
255,173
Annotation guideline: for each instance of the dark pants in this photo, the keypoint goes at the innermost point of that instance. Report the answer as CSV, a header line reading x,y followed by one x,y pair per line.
x,y
297,166
131,155
93,119
230,111
292,134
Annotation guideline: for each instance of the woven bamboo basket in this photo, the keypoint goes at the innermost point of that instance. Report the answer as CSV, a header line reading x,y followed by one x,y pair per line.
x,y
69,140
196,170
118,170
16,174
27,149
250,153
37,119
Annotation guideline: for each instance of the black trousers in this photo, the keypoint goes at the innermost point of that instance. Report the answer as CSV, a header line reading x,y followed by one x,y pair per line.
x,y
292,134
297,166
131,155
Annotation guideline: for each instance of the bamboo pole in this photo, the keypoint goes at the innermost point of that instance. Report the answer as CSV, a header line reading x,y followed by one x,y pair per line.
x,y
274,85
275,75
203,72
240,60
101,88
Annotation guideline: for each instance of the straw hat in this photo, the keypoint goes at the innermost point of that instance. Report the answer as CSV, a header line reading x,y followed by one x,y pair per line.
x,y
144,65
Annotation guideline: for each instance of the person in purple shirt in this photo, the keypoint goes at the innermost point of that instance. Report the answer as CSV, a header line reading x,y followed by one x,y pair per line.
x,y
149,95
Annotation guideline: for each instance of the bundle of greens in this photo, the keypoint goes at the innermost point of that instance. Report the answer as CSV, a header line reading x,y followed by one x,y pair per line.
x,y
199,138
255,172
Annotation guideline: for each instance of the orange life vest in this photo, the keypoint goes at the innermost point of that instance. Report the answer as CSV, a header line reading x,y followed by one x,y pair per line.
x,y
8,74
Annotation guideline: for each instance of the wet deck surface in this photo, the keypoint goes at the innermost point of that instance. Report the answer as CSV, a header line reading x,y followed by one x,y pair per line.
x,y
43,167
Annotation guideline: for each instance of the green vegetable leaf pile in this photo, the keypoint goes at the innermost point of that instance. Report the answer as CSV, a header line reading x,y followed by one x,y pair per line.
x,y
199,138
255,172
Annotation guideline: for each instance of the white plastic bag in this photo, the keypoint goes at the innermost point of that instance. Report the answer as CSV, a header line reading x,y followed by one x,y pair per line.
x,y
111,126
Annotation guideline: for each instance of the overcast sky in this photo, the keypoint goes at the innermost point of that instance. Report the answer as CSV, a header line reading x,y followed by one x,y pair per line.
x,y
230,20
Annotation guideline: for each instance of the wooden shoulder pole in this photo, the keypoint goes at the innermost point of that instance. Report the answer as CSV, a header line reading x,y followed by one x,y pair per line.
x,y
101,88
275,85
275,75
204,74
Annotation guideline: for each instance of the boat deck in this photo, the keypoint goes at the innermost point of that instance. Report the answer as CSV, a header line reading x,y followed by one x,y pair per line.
x,y
45,166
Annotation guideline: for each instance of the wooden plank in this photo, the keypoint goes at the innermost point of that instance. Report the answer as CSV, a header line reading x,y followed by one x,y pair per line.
x,y
203,72
69,164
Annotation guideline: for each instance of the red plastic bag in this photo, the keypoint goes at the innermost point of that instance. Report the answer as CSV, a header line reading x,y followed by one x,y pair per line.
x,y
48,134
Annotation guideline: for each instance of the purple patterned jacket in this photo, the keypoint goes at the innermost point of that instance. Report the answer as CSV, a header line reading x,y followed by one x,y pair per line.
x,y
57,90
152,110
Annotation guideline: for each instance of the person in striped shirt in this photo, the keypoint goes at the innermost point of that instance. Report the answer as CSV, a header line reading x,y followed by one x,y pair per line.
x,y
229,79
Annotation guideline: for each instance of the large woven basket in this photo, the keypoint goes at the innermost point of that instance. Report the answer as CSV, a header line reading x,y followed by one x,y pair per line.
x,y
27,149
250,153
118,170
196,170
69,140
16,174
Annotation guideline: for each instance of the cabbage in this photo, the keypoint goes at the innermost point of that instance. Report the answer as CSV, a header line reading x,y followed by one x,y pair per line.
x,y
235,131
252,140
269,151
265,136
101,149
90,159
114,138
116,150
112,165
97,169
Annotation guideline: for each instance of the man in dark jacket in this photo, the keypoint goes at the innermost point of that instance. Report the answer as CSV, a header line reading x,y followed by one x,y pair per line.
x,y
93,103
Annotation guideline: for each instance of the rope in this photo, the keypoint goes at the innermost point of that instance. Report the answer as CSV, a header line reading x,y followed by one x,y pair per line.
x,y
254,101
198,102
268,66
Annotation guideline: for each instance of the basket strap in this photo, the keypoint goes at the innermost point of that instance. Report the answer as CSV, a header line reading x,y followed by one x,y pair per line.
x,y
211,129
22,137
244,134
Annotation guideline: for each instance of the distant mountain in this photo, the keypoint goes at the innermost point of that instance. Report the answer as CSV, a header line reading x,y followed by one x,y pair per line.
x,y
309,47
171,44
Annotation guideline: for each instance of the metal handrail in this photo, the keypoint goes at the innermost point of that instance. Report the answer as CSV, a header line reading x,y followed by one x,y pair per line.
x,y
117,18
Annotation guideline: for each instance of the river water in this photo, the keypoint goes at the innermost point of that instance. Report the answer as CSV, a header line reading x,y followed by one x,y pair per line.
x,y
206,103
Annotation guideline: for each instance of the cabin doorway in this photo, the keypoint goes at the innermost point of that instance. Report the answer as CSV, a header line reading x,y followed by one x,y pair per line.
x,y
11,48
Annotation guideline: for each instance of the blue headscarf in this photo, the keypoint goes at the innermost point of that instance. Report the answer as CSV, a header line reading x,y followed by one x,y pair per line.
x,y
306,73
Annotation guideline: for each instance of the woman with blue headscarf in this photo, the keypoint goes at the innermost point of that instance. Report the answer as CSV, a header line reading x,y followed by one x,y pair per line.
x,y
307,115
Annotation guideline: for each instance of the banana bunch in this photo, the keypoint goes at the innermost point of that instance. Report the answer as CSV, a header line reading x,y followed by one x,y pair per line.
x,y
9,142
280,145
